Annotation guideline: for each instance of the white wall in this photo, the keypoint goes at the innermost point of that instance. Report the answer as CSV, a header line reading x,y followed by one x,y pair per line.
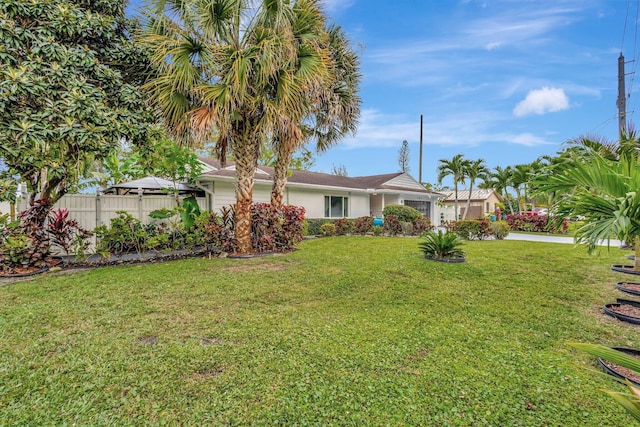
x,y
313,201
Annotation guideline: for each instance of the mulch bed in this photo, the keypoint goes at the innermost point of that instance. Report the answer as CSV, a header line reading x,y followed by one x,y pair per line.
x,y
627,373
627,310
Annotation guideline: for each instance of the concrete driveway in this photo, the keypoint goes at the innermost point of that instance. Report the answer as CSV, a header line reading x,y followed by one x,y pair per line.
x,y
547,238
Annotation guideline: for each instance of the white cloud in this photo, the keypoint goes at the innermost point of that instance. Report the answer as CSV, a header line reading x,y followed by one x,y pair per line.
x,y
468,129
542,101
334,5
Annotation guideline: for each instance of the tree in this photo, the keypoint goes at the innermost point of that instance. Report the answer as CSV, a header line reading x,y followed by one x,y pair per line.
x,y
456,167
473,170
220,64
68,90
302,159
328,109
339,170
403,157
519,181
500,179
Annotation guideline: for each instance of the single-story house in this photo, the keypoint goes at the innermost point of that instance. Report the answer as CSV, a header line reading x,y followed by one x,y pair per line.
x,y
323,195
483,201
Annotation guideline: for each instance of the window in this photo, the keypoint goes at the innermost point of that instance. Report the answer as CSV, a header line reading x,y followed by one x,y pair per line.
x,y
336,206
487,207
421,205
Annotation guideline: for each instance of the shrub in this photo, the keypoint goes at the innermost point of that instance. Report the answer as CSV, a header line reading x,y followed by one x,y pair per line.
x,y
441,245
25,243
125,235
276,228
402,212
314,224
391,225
377,230
363,225
407,228
328,229
66,233
421,224
471,229
500,229
343,226
535,223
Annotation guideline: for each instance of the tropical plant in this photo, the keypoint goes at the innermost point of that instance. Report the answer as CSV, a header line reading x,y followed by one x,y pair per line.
x,y
631,401
474,169
440,245
69,90
221,62
500,229
500,180
66,233
605,192
327,107
391,225
456,167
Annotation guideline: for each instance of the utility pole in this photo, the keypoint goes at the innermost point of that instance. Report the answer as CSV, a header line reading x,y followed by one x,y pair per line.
x,y
622,98
420,165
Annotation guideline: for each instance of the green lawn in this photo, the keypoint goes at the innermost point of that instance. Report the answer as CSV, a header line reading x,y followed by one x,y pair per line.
x,y
344,331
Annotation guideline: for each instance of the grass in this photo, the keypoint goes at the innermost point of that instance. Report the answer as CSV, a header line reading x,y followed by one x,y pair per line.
x,y
344,331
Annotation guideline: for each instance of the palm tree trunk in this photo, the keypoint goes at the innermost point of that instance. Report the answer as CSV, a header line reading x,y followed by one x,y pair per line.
x,y
468,202
455,188
246,163
281,171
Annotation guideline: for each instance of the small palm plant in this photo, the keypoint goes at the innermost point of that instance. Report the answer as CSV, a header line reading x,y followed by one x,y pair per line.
x,y
630,401
441,246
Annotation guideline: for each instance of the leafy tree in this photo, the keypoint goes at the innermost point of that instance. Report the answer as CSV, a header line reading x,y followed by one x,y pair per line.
x,y
68,90
456,167
220,64
474,169
302,160
519,180
403,157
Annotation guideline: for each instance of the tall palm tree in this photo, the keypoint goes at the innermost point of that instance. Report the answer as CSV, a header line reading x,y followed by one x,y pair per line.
x,y
474,169
456,167
218,63
519,181
500,179
331,107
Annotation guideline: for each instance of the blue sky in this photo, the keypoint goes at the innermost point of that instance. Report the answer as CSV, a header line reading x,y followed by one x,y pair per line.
x,y
505,80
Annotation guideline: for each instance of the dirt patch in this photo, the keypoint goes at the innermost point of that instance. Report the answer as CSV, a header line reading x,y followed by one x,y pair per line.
x,y
631,286
206,374
147,340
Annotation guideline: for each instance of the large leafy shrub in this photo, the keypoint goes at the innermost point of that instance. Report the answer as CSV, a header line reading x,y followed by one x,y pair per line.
x,y
314,224
439,245
500,229
402,212
25,243
472,229
391,225
328,229
520,222
363,225
276,228
343,226
422,224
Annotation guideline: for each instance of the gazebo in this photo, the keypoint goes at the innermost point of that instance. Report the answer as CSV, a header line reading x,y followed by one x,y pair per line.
x,y
152,185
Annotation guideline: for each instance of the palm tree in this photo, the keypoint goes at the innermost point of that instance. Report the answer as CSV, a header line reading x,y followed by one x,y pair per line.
x,y
500,179
456,167
474,169
519,181
331,107
218,62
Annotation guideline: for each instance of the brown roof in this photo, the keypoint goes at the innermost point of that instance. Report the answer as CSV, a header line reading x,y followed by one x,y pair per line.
x,y
316,178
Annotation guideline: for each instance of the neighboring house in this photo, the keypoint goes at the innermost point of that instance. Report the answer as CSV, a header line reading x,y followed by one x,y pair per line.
x,y
482,201
323,195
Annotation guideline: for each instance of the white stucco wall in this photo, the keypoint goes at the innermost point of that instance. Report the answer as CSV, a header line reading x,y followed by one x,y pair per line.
x,y
313,201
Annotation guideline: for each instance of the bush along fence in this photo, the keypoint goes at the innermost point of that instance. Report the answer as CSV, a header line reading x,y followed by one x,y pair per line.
x,y
27,242
392,226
